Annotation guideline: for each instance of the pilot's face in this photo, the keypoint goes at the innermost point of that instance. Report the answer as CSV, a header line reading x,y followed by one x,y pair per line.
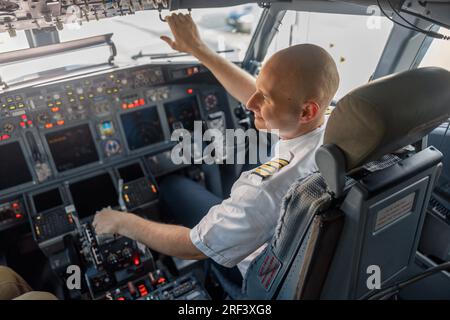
x,y
274,103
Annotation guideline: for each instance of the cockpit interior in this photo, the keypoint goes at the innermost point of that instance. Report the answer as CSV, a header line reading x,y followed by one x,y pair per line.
x,y
90,97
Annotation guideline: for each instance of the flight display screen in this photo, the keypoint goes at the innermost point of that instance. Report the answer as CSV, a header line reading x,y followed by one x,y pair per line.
x,y
13,166
72,148
131,172
182,113
47,200
142,128
93,194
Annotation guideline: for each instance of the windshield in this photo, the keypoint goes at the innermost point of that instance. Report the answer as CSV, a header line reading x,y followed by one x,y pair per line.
x,y
221,28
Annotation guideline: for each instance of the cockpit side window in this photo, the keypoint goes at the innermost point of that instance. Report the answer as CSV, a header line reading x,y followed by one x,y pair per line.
x,y
355,42
438,54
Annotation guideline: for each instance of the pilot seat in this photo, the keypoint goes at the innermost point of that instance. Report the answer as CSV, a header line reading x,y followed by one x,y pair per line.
x,y
354,225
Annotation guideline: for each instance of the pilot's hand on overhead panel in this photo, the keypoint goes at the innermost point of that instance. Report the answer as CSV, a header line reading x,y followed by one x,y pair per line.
x,y
187,38
108,221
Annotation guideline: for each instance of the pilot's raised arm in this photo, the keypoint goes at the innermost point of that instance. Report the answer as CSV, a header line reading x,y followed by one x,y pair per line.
x,y
239,83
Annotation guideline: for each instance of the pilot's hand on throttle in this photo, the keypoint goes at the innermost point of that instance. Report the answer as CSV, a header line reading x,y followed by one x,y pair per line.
x,y
187,38
108,221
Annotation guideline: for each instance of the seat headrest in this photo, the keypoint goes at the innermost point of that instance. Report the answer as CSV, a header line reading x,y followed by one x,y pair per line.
x,y
387,114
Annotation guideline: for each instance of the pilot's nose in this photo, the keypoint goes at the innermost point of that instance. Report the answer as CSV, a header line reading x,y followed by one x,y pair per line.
x,y
253,103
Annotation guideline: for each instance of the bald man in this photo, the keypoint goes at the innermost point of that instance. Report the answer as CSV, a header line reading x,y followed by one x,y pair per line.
x,y
291,93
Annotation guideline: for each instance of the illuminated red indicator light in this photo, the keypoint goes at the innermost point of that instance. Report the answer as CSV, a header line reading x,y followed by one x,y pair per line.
x,y
5,137
30,122
189,91
136,261
134,104
142,290
22,124
161,280
24,117
120,298
18,216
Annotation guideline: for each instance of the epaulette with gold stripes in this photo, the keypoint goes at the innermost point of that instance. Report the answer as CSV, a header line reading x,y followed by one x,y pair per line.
x,y
269,168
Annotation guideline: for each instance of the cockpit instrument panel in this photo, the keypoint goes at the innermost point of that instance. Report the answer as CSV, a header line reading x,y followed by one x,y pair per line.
x,y
21,15
56,137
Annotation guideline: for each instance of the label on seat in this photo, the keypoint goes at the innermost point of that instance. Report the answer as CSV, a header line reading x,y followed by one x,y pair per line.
x,y
395,211
268,270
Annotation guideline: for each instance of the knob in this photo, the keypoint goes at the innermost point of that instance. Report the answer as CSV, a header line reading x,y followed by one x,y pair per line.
x,y
240,113
112,258
8,128
127,253
112,147
43,118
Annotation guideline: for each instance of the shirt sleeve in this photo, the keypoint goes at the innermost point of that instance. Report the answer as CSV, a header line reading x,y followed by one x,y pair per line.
x,y
238,226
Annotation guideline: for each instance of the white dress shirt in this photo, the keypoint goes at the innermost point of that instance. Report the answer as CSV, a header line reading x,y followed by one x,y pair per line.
x,y
237,230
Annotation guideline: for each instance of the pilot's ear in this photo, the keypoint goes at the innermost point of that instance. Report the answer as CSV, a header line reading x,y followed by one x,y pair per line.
x,y
310,110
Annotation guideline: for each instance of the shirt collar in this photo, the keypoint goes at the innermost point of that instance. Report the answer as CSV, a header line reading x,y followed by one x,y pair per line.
x,y
287,145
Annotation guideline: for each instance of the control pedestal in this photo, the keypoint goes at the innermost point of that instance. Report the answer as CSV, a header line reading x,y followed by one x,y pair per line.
x,y
155,286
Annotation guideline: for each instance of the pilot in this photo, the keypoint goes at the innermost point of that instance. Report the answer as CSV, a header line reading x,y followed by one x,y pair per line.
x,y
14,287
291,94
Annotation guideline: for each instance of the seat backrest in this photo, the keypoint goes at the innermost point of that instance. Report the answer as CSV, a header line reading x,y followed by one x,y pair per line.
x,y
300,206
336,223
384,215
